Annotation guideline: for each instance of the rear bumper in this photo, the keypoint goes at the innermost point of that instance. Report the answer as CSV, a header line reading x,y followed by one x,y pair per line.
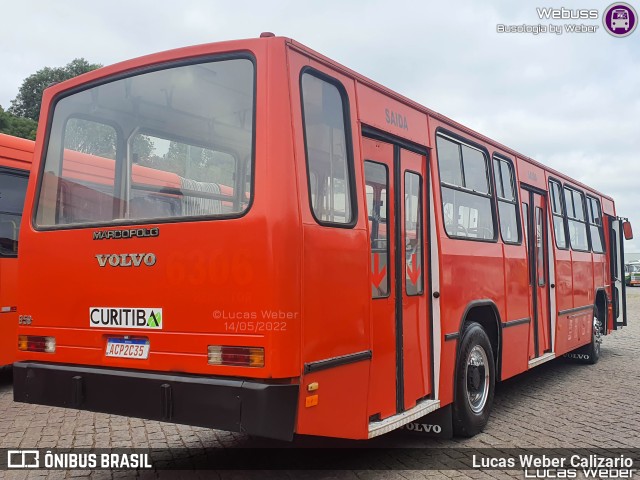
x,y
235,405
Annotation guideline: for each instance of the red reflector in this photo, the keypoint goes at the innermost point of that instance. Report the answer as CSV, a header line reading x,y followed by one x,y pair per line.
x,y
35,344
235,355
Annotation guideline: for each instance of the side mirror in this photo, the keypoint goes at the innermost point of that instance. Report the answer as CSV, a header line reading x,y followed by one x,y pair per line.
x,y
628,231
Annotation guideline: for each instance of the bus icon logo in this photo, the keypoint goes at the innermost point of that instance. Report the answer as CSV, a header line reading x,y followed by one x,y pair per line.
x,y
23,459
620,19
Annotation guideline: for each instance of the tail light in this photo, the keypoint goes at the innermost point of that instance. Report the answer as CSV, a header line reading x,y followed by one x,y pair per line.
x,y
236,356
33,343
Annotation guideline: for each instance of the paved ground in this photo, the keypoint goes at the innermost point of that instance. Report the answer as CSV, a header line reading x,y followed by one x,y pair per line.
x,y
559,404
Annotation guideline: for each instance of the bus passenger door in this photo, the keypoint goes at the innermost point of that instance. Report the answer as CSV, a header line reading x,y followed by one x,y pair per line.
x,y
538,254
401,334
416,323
616,243
378,171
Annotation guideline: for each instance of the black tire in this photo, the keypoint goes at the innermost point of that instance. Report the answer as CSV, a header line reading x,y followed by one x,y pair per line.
x,y
590,353
471,408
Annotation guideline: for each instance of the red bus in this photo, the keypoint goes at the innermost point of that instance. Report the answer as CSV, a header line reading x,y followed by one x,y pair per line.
x,y
306,252
15,161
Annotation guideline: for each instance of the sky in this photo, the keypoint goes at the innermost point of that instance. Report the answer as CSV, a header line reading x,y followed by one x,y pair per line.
x,y
570,101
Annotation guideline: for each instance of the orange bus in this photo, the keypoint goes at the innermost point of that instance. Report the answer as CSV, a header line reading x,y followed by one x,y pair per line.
x,y
306,252
15,161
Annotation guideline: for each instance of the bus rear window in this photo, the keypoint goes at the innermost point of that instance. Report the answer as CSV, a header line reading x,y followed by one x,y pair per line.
x,y
164,145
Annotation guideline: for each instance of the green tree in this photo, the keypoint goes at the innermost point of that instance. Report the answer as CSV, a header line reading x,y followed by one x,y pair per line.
x,y
4,120
27,102
90,137
17,126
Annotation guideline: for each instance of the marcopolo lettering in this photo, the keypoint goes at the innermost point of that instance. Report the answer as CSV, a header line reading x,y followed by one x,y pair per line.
x,y
126,233
126,259
122,317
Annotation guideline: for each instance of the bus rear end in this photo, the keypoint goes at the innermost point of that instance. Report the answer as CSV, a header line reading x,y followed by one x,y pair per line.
x,y
15,161
163,291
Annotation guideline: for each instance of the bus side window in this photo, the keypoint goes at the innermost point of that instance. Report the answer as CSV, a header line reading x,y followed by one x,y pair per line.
x,y
576,219
539,246
558,214
507,201
525,217
594,217
466,193
413,233
328,149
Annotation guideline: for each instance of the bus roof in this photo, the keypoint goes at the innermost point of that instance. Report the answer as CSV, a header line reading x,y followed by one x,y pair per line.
x,y
411,103
235,45
16,152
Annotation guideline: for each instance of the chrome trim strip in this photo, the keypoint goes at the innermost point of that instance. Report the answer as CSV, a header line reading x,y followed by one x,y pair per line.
x,y
408,416
542,359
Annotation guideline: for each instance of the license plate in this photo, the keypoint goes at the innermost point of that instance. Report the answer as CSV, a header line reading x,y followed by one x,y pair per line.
x,y
127,348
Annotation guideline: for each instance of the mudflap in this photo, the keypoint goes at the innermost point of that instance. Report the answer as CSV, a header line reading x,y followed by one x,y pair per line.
x,y
438,424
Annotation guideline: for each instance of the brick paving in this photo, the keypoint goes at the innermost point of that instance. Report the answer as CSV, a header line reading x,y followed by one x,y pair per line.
x,y
559,404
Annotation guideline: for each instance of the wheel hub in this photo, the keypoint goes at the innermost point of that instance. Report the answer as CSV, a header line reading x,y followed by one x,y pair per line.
x,y
597,334
474,378
477,373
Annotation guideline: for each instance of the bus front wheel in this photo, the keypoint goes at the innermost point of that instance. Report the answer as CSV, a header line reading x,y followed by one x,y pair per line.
x,y
475,382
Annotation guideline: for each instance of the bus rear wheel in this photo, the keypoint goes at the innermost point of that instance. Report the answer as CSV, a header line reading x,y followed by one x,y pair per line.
x,y
475,382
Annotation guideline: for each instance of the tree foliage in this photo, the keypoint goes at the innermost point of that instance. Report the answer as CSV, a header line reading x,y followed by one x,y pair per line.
x,y
90,137
17,126
27,102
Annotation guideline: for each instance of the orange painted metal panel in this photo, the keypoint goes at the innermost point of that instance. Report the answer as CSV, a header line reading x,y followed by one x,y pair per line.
x,y
215,283
341,395
531,174
515,345
582,270
390,115
516,303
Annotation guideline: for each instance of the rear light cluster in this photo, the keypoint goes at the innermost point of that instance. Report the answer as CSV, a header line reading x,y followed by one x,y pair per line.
x,y
33,343
236,356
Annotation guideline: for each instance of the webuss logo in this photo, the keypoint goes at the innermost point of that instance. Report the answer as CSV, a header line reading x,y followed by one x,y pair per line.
x,y
566,14
620,19
122,317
